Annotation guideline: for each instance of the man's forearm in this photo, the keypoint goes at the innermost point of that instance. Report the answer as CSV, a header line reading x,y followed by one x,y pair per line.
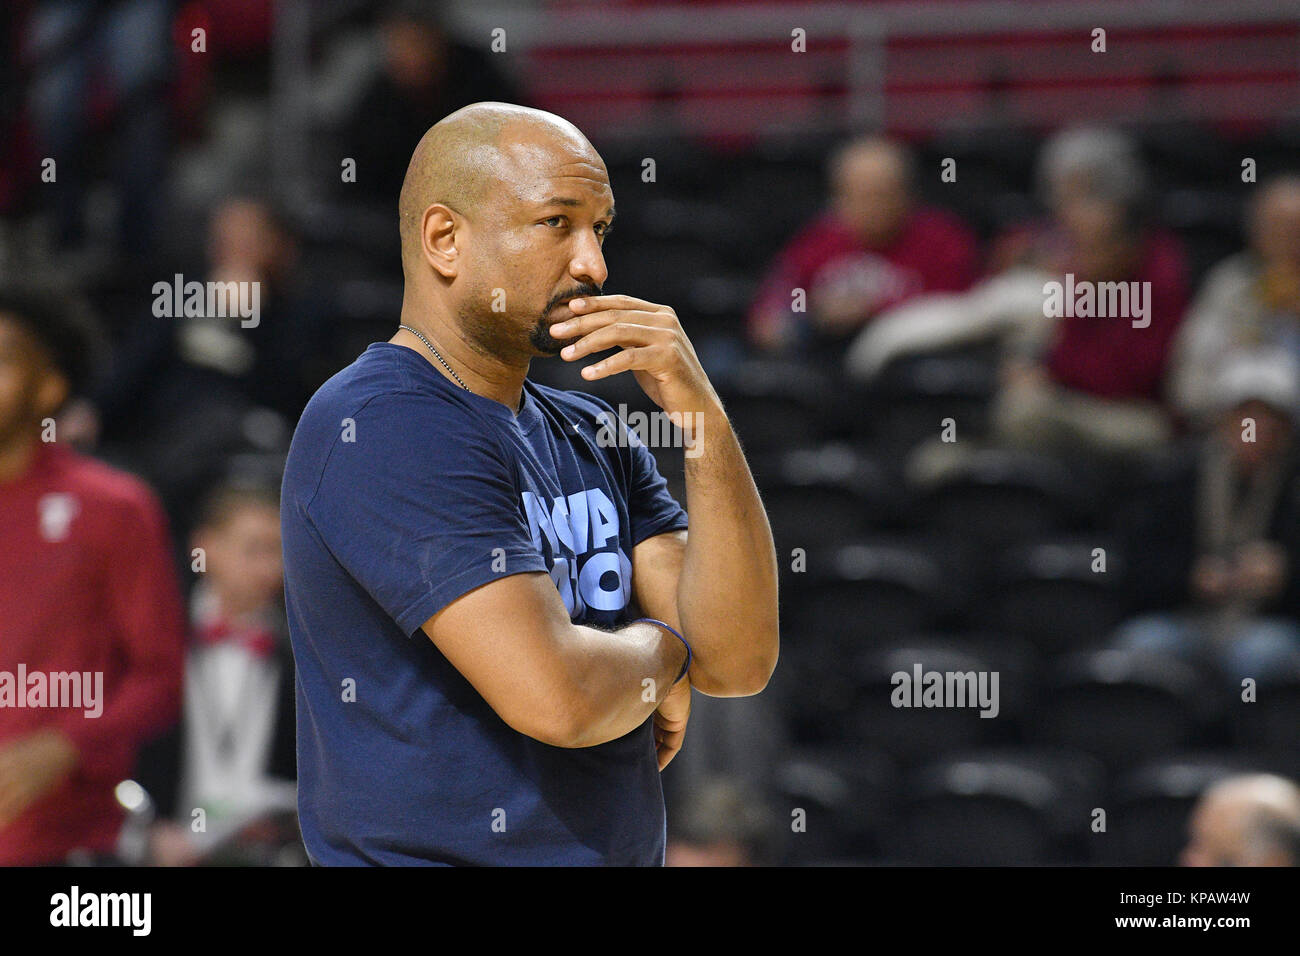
x,y
620,678
726,587
727,591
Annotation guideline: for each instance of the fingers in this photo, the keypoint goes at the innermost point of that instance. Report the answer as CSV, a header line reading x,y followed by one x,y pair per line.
x,y
616,321
668,745
581,324
595,303
620,334
641,357
668,735
664,725
607,329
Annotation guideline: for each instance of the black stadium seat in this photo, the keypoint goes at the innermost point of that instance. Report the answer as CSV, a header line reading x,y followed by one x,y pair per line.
x,y
913,395
863,593
999,497
1272,720
826,494
916,733
847,796
1048,592
1123,706
775,405
1002,807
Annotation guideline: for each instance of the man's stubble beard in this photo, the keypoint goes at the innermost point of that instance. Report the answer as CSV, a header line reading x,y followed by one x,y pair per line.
x,y
497,333
541,338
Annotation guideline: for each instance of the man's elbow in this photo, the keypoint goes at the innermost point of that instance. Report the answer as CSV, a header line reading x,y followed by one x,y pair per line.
x,y
755,679
558,723
742,678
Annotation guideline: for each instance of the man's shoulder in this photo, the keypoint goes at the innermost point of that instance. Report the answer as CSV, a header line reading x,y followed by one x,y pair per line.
x,y
376,408
374,373
381,388
103,486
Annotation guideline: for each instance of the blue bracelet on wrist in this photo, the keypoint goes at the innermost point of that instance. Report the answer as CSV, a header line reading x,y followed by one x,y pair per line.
x,y
686,666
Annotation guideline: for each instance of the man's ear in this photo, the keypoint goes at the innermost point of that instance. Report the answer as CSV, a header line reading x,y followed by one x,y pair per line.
x,y
440,231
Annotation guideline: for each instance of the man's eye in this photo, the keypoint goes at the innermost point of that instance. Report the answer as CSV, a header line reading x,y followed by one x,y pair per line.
x,y
555,219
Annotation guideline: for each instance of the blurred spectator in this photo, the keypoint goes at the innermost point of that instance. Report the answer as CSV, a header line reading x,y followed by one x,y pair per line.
x,y
277,363
426,74
1096,385
87,586
233,753
872,249
1248,301
1224,534
84,57
1248,820
721,823
149,408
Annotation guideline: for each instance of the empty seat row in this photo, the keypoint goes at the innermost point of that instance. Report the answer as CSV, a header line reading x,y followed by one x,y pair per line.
x,y
919,698
1002,806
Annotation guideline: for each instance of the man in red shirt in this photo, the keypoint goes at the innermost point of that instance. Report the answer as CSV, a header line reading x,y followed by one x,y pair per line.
x,y
873,249
91,624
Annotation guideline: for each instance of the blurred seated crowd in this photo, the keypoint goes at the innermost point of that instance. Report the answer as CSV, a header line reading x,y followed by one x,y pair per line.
x,y
1102,508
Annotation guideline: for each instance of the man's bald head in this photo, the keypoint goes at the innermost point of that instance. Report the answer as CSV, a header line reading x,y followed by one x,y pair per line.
x,y
468,154
1249,820
871,155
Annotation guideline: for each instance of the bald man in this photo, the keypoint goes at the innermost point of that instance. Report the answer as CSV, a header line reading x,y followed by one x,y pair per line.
x,y
1249,820
873,248
467,552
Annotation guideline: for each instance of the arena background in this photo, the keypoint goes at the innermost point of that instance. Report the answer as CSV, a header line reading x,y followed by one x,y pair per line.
x,y
274,154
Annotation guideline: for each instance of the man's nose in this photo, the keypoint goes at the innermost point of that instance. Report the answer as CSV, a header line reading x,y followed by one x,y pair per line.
x,y
588,263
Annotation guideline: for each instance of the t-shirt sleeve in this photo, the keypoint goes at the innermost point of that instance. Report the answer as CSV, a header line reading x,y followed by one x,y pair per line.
x,y
420,507
651,508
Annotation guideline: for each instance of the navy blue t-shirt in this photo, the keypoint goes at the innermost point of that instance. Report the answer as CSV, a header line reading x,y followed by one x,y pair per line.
x,y
402,492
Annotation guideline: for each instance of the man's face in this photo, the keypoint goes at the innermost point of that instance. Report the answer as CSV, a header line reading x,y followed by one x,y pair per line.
x,y
536,244
245,561
871,196
1275,229
414,53
29,386
243,238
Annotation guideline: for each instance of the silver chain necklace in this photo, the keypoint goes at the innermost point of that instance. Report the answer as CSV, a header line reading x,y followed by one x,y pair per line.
x,y
437,355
